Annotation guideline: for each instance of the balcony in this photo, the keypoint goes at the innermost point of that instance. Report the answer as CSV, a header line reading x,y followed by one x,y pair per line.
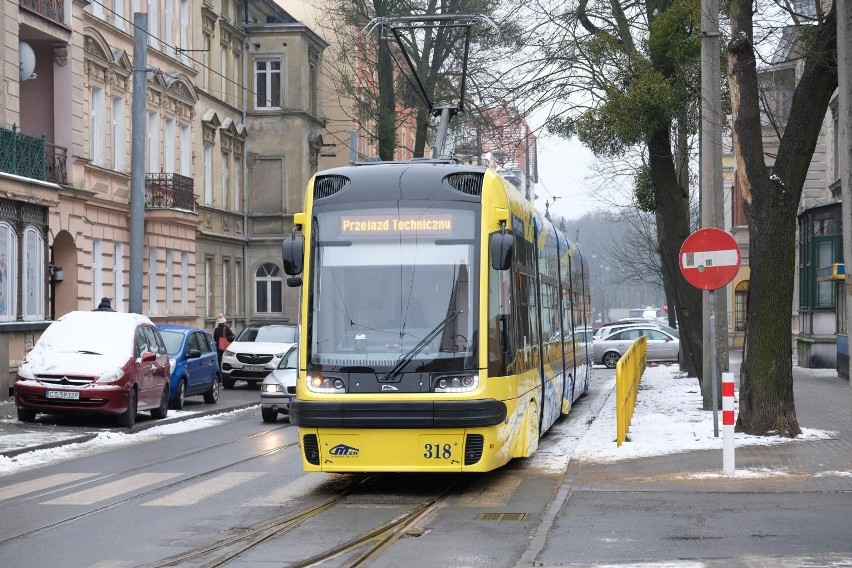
x,y
169,191
53,10
32,157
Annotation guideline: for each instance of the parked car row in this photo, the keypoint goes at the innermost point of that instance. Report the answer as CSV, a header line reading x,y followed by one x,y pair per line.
x,y
114,363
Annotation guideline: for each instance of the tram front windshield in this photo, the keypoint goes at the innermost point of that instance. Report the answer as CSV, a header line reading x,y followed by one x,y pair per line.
x,y
391,285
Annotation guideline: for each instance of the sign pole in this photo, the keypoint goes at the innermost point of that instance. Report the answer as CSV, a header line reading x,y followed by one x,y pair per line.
x,y
714,392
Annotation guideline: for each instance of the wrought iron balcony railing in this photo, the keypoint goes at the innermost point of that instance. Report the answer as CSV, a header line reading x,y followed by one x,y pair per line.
x,y
53,10
169,191
32,157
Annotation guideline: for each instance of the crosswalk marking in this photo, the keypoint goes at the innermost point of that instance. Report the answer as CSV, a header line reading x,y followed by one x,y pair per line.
x,y
112,564
110,490
290,491
204,489
25,487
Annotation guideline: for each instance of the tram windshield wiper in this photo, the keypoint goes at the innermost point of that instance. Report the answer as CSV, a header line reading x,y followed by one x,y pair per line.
x,y
405,359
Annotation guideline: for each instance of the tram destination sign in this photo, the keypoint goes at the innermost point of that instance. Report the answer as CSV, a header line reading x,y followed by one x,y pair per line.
x,y
709,259
380,224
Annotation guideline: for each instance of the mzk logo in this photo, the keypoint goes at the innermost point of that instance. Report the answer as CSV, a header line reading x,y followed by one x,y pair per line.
x,y
344,451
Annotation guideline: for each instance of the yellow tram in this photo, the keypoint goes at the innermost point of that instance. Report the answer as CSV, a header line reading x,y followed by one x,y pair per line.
x,y
438,311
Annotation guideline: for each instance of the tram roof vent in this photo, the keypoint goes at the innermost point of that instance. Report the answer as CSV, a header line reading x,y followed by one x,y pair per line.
x,y
326,186
469,183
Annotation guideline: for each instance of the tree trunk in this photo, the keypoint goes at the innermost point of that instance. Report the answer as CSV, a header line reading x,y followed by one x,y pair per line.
x,y
672,230
766,376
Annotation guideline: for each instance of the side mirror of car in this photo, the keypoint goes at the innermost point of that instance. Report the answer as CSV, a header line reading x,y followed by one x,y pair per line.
x,y
148,357
193,354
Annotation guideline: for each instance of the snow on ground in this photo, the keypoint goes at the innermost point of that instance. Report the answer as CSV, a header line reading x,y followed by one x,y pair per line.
x,y
668,418
106,441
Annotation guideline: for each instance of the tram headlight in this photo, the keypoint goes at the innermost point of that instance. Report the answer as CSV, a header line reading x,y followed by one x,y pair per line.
x,y
456,383
327,385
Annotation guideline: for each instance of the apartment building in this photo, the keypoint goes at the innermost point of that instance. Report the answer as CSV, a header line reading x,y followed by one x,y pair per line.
x,y
212,216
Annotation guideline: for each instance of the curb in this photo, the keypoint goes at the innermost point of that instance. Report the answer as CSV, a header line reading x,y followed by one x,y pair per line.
x,y
136,428
49,445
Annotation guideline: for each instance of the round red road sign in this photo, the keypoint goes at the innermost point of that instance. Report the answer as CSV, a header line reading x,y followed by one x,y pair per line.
x,y
709,258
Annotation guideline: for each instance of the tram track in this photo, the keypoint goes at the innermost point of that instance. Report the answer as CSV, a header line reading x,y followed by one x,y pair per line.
x,y
123,473
376,540
153,491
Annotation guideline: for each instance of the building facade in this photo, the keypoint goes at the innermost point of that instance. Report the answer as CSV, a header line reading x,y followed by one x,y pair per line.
x,y
212,217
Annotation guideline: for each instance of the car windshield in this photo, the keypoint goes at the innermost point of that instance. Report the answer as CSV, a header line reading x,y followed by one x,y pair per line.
x,y
269,334
97,336
290,360
173,341
386,280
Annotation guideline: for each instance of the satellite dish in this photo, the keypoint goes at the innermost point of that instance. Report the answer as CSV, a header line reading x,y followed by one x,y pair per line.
x,y
27,60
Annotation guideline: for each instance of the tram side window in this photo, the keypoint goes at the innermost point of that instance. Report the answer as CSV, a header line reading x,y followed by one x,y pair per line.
x,y
500,350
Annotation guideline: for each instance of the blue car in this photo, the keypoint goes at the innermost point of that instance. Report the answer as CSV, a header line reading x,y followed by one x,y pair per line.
x,y
194,364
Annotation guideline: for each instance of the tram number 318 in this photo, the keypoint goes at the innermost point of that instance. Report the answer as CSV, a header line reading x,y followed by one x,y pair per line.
x,y
437,451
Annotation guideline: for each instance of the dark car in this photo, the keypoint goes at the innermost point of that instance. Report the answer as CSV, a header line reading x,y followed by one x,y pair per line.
x,y
195,369
256,352
95,362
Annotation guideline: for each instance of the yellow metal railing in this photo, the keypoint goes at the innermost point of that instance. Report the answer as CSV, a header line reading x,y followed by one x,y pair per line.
x,y
628,373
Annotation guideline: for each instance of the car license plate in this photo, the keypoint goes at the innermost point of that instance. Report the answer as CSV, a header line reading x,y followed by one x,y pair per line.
x,y
64,394
254,368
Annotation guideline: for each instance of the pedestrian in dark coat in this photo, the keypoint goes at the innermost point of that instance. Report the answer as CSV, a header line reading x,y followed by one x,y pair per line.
x,y
222,335
104,306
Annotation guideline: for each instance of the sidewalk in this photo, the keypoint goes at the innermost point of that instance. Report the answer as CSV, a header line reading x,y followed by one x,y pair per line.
x,y
787,505
18,437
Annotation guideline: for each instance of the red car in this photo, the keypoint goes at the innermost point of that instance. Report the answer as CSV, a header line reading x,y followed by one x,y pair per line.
x,y
95,362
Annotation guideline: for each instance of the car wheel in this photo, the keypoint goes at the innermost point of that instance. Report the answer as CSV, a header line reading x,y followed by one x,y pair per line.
x,y
26,415
180,397
163,410
269,415
228,383
212,396
128,418
610,359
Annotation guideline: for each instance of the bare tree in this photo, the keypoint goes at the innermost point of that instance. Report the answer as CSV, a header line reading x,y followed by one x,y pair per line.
x,y
771,203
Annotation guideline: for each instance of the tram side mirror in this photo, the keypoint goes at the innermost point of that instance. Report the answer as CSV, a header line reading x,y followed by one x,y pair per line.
x,y
294,281
294,250
501,251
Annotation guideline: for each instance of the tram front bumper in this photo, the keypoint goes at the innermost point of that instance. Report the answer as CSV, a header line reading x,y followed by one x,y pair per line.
x,y
426,414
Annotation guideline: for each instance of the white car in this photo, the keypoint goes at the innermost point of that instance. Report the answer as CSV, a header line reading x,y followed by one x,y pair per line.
x,y
279,387
256,352
662,345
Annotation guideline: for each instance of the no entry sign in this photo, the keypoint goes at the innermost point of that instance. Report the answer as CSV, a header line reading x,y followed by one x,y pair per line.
x,y
709,258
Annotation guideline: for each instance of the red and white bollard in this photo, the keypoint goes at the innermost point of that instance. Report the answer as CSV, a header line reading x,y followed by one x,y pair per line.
x,y
728,423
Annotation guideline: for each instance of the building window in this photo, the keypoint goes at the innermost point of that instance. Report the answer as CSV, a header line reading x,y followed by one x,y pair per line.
x,y
118,277
153,297
226,285
118,130
153,142
223,70
238,183
267,83
185,151
210,300
184,282
238,280
168,27
8,272
97,271
205,63
98,118
170,277
34,275
268,289
226,179
208,174
740,305
153,24
118,13
185,26
170,141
